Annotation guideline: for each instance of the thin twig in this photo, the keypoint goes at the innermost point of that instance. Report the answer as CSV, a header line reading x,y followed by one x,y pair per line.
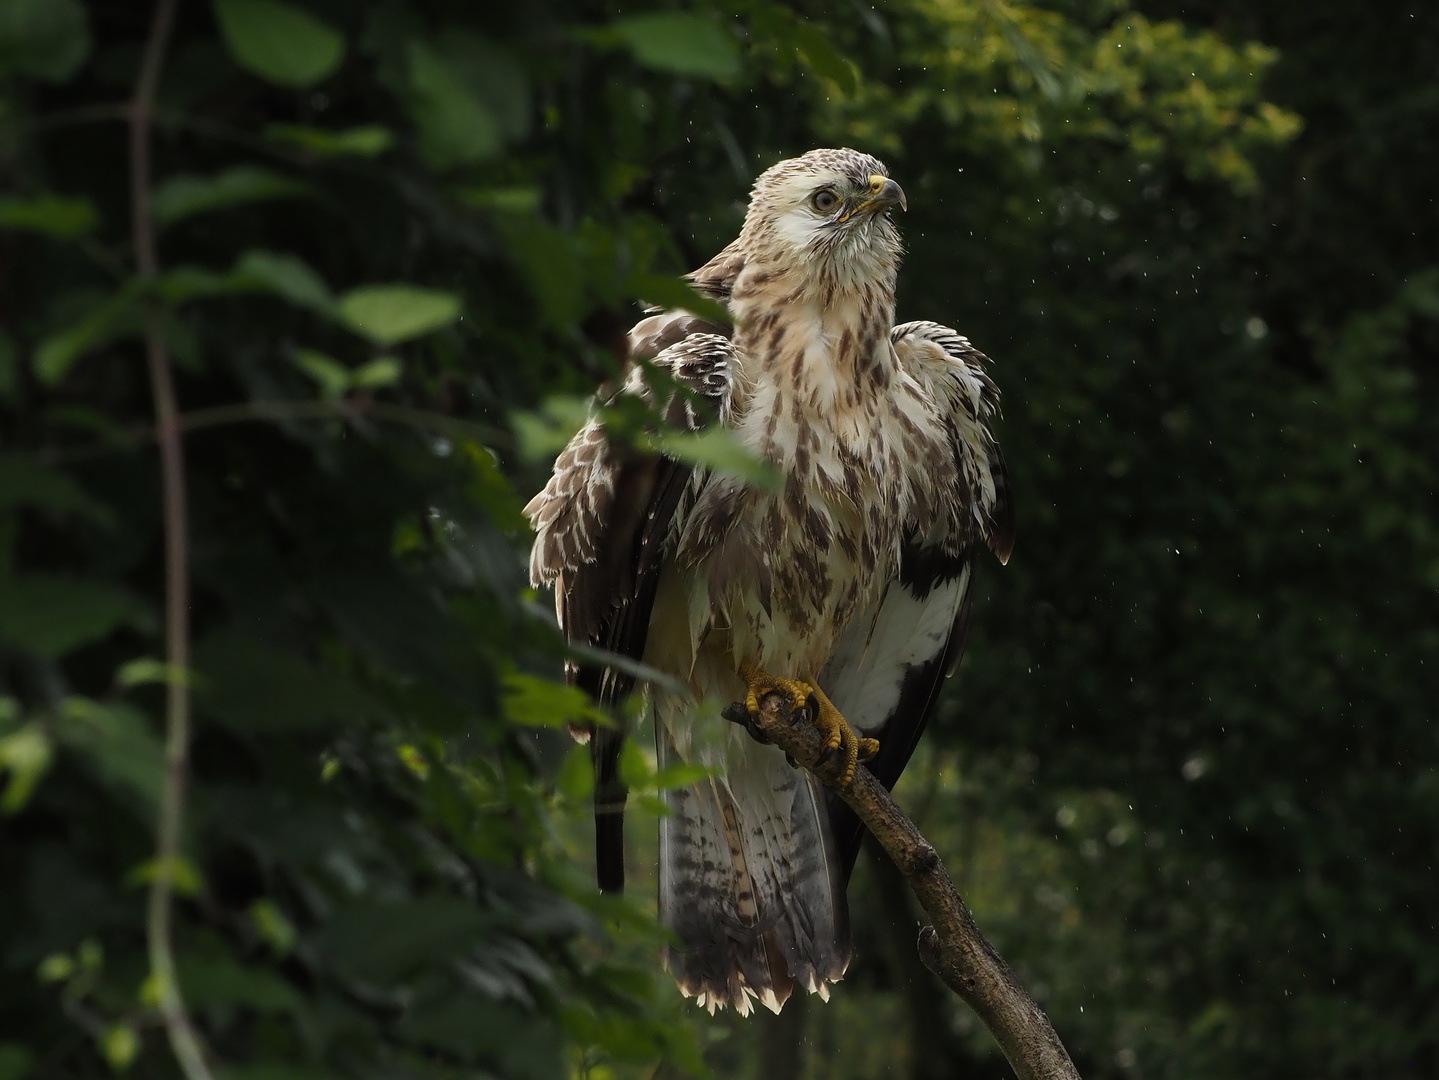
x,y
183,1039
953,948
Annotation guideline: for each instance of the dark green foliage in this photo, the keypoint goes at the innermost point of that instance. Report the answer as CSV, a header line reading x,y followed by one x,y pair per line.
x,y
1186,775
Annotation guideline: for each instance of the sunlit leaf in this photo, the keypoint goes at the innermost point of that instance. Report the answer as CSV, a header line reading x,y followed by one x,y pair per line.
x,y
369,140
380,372
534,702
280,42
681,774
273,926
60,216
25,756
679,43
184,875
183,196
635,768
44,39
119,1044
390,314
332,376
717,448
544,432
287,276
576,778
147,671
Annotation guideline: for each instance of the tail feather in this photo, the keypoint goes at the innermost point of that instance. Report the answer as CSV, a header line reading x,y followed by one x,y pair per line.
x,y
749,882
610,796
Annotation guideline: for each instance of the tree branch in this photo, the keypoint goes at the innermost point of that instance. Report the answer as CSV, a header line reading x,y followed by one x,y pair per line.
x,y
183,1040
953,948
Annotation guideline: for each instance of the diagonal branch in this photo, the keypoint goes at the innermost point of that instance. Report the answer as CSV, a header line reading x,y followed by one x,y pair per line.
x,y
953,948
159,911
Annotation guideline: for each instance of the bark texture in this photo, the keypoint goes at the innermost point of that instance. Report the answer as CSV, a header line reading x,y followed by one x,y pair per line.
x,y
951,946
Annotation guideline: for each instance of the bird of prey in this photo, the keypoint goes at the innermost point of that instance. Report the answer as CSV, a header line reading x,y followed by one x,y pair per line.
x,y
845,586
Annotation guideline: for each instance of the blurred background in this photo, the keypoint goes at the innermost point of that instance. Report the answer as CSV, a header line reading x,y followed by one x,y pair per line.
x,y
1186,776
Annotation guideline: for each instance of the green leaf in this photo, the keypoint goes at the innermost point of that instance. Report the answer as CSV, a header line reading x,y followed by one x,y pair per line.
x,y
821,56
44,39
682,44
576,778
51,615
273,926
114,317
386,941
15,1061
332,376
370,140
218,980
635,768
184,875
24,482
280,42
118,746
60,216
389,314
185,195
119,1045
534,702
681,774
380,372
455,126
665,291
182,283
717,448
286,276
25,755
146,671
546,431
253,687
521,1046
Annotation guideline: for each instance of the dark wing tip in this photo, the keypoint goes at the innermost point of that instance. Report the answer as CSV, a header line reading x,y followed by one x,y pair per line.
x,y
1000,537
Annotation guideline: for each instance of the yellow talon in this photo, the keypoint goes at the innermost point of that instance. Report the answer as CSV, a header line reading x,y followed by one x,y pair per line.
x,y
838,735
759,683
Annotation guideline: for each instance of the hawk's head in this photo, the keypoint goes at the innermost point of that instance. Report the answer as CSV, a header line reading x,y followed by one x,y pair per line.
x,y
828,210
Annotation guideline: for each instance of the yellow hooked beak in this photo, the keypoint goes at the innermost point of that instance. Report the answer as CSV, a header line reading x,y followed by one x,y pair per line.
x,y
884,193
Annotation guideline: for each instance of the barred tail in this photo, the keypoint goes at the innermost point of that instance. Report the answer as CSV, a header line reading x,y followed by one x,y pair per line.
x,y
749,881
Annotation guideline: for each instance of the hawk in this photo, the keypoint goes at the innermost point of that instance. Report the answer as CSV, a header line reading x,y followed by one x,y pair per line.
x,y
846,586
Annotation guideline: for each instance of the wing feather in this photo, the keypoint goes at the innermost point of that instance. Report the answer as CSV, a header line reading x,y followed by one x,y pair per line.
x,y
886,674
603,525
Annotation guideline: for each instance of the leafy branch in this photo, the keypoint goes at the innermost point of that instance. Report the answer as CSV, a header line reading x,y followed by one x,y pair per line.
x,y
952,946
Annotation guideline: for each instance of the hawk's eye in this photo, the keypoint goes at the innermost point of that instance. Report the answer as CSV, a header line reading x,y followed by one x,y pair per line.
x,y
824,201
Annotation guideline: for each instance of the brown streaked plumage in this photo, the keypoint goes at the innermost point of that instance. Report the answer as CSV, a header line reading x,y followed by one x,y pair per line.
x,y
855,571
